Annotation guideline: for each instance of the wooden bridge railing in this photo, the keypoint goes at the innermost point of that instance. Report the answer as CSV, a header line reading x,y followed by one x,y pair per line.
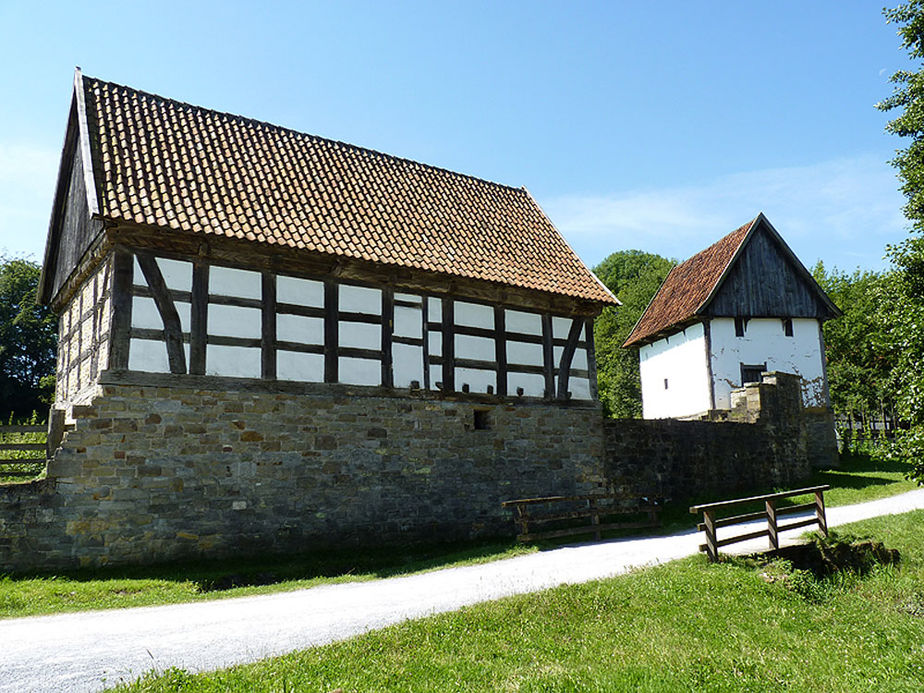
x,y
14,455
529,512
771,513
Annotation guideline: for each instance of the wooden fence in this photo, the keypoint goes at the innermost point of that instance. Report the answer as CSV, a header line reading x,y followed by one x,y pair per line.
x,y
21,459
771,513
585,516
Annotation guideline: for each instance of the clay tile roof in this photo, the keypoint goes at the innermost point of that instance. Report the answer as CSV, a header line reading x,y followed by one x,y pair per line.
x,y
176,166
687,287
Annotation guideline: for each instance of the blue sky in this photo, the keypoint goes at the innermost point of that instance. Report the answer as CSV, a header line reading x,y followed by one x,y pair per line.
x,y
658,126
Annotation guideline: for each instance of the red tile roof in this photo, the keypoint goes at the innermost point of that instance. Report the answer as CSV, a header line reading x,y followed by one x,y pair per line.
x,y
171,165
687,287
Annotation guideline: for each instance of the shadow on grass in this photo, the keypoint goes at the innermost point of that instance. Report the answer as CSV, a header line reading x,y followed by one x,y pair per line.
x,y
215,575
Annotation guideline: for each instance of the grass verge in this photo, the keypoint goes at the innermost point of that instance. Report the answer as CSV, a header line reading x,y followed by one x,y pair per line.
x,y
686,625
860,478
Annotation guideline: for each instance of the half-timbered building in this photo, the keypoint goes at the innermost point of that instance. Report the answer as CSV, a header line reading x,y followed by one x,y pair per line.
x,y
189,242
743,306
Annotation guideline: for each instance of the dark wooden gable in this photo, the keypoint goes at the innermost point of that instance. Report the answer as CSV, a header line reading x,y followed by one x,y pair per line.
x,y
766,280
72,228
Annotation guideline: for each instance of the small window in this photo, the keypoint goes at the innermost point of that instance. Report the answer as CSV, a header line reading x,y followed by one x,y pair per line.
x,y
740,326
665,383
751,373
787,327
481,421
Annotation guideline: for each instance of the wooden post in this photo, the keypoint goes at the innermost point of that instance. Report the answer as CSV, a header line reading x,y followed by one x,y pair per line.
x,y
523,518
772,528
268,328
712,550
500,349
548,356
173,332
331,331
121,327
198,318
820,512
388,330
425,334
567,355
449,346
591,356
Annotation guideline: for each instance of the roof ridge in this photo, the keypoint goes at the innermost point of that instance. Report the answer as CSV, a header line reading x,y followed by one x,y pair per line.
x,y
266,123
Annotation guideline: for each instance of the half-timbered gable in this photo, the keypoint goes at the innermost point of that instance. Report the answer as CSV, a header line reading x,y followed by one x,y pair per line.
x,y
194,243
742,306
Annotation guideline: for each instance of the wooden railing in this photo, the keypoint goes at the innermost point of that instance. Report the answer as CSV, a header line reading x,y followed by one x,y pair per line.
x,y
597,507
16,456
771,513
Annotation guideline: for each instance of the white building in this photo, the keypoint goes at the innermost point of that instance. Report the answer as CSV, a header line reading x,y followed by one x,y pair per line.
x,y
742,306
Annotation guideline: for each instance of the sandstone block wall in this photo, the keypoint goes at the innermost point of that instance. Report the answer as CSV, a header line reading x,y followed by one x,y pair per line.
x,y
763,442
160,473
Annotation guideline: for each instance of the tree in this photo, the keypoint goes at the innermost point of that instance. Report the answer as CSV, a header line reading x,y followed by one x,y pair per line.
x,y
633,276
902,311
28,340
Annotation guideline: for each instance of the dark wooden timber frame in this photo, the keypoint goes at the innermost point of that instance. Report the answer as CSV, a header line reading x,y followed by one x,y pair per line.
x,y
125,287
771,513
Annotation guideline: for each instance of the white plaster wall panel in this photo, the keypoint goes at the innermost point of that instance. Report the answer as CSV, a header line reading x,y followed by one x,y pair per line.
x,y
232,361
301,292
578,361
473,315
533,385
524,353
476,378
681,359
360,299
527,323
408,322
360,371
293,365
434,309
579,388
765,342
227,281
176,273
435,343
479,348
407,364
146,315
360,335
409,298
436,375
300,329
234,321
150,356
561,327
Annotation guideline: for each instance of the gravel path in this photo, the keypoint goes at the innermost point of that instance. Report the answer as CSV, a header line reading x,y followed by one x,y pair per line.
x,y
92,650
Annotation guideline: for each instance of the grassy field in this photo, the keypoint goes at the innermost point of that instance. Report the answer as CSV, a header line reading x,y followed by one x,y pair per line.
x,y
30,468
860,478
686,625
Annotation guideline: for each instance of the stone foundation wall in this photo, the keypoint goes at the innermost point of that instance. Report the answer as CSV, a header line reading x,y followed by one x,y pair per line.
x,y
160,473
763,442
166,467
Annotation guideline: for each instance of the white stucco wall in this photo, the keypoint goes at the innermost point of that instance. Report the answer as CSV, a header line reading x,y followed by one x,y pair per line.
x,y
765,342
681,360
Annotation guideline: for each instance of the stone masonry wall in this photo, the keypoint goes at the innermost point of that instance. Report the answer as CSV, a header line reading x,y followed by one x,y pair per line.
x,y
203,468
160,473
762,443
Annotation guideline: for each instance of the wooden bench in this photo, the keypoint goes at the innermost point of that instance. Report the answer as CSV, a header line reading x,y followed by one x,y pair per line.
x,y
771,513
590,514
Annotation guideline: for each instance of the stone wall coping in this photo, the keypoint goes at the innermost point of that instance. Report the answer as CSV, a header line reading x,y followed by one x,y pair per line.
x,y
251,385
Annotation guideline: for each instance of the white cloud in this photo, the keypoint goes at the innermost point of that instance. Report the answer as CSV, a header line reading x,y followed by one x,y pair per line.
x,y
842,211
28,174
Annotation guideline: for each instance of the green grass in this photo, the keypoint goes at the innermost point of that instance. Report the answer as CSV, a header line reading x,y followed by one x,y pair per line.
x,y
861,478
34,467
683,626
